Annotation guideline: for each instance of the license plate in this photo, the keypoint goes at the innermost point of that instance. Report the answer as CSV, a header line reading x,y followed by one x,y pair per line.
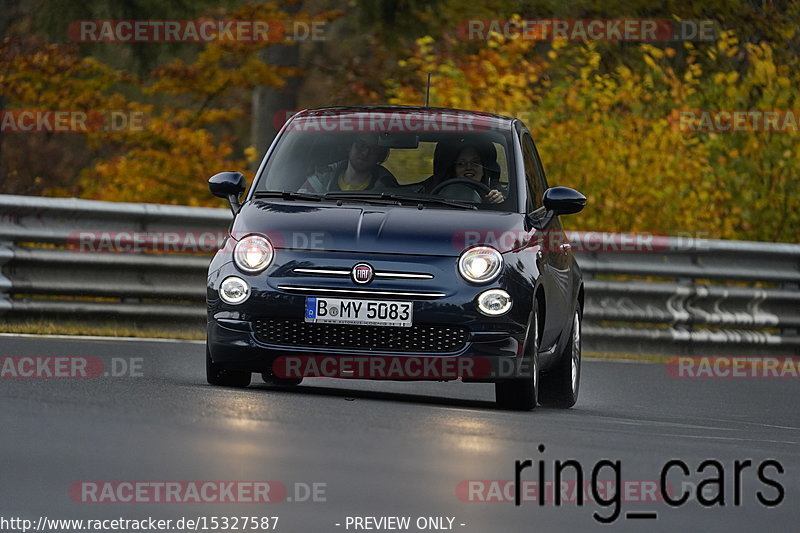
x,y
359,312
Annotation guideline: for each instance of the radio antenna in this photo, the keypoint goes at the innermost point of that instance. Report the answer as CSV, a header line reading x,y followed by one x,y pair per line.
x,y
428,90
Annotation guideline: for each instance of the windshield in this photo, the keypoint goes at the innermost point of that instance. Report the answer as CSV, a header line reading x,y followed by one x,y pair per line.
x,y
445,161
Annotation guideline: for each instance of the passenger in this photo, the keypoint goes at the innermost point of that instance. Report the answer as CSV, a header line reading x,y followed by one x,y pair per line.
x,y
360,171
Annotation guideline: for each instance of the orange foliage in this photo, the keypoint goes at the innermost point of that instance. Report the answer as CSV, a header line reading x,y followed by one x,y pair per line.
x,y
190,128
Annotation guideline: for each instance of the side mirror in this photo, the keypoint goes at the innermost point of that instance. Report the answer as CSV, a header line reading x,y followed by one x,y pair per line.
x,y
228,185
563,200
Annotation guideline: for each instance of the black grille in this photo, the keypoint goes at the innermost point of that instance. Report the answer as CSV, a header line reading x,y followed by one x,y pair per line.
x,y
430,339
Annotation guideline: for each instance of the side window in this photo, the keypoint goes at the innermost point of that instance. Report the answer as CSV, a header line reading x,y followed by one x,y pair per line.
x,y
533,171
539,168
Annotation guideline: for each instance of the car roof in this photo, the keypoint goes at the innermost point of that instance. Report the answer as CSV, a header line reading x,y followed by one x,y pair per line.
x,y
403,109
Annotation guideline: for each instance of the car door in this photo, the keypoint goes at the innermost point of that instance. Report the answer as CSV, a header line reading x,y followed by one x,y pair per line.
x,y
553,256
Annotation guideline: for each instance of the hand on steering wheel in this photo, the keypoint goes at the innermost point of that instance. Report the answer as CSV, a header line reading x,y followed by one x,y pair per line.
x,y
495,197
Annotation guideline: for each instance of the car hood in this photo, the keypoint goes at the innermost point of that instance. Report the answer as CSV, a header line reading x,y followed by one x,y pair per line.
x,y
378,229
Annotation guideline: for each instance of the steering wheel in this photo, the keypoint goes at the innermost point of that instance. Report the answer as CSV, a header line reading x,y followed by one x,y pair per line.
x,y
478,186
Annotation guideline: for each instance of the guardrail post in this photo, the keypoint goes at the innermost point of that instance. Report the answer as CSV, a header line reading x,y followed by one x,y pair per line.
x,y
683,317
6,255
789,286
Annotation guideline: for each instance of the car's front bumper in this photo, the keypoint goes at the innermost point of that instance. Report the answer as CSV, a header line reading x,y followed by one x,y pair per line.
x,y
491,355
238,339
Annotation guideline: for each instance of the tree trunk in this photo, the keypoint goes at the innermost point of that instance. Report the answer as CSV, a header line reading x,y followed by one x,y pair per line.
x,y
271,105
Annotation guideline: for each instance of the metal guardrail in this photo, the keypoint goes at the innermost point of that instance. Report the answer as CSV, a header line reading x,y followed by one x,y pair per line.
x,y
695,297
47,272
675,296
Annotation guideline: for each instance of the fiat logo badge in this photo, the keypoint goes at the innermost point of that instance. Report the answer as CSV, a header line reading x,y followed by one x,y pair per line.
x,y
362,273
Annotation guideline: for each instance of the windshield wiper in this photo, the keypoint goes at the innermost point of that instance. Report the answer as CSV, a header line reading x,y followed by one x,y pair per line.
x,y
383,198
380,198
288,195
429,200
442,201
398,199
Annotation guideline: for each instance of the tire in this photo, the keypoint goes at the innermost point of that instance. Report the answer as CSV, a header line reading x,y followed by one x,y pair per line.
x,y
560,385
275,381
217,374
522,394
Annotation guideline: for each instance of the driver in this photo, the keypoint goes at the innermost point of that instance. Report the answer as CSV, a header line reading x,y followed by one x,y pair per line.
x,y
360,171
470,165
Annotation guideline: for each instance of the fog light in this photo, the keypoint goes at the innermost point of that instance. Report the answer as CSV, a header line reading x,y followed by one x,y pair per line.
x,y
234,290
494,302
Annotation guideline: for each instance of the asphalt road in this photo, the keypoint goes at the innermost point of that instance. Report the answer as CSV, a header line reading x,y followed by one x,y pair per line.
x,y
380,449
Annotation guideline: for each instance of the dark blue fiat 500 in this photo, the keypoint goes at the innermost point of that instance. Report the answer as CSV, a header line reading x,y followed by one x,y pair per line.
x,y
399,243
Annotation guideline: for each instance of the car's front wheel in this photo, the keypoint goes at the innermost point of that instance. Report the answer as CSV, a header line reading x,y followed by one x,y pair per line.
x,y
560,385
217,374
522,394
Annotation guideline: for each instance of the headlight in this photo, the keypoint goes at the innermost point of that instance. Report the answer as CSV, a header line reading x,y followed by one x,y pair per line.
x,y
494,302
234,290
480,264
253,254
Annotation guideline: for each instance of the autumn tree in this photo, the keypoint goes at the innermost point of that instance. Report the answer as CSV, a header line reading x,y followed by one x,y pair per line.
x,y
606,126
197,113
